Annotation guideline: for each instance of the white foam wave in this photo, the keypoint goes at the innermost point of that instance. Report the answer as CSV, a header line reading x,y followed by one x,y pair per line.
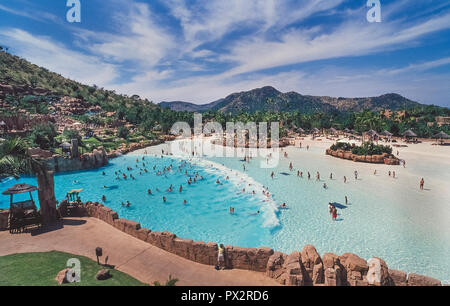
x,y
268,206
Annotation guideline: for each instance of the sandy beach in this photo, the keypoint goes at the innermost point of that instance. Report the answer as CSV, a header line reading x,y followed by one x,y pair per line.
x,y
390,218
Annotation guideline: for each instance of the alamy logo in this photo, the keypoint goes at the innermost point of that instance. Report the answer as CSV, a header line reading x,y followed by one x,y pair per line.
x,y
74,13
74,273
236,140
374,14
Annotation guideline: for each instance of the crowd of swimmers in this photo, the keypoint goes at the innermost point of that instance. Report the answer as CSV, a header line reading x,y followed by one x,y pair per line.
x,y
192,179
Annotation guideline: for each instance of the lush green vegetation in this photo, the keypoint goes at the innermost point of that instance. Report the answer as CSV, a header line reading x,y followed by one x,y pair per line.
x,y
341,146
147,116
367,148
370,148
43,136
40,269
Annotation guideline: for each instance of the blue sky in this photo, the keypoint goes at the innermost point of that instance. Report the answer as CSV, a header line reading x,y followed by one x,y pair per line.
x,y
203,50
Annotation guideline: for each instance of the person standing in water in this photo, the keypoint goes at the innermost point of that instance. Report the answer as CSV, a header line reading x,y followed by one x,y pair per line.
x,y
334,214
422,183
346,200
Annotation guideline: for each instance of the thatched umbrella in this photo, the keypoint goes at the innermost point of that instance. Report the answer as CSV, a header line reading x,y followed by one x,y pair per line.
x,y
300,131
19,188
441,135
409,133
65,145
372,133
386,133
347,130
333,131
315,130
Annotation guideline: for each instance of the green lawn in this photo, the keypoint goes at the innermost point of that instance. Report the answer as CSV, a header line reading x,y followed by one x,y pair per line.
x,y
40,269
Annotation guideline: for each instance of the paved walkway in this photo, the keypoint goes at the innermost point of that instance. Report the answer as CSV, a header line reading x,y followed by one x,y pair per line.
x,y
141,260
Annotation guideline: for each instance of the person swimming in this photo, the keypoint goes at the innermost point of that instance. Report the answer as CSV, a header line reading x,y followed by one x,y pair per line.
x,y
164,199
283,206
103,198
149,191
325,186
254,214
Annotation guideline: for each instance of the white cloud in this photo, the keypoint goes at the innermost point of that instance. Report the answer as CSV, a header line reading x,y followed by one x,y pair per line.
x,y
35,14
43,51
138,39
349,39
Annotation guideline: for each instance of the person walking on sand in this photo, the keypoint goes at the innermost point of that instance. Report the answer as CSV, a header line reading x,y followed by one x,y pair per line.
x,y
422,183
346,200
345,179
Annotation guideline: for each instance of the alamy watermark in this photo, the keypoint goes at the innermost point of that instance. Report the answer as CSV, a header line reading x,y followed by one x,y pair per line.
x,y
374,13
245,140
74,13
73,275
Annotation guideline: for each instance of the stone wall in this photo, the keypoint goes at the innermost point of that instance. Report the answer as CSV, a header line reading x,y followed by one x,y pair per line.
x,y
96,159
305,268
4,214
384,158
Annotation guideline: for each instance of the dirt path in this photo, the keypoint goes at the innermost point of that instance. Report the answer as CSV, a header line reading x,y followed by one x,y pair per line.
x,y
141,260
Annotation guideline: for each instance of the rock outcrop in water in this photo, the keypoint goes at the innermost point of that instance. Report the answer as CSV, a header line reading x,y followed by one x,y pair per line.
x,y
384,158
96,159
305,268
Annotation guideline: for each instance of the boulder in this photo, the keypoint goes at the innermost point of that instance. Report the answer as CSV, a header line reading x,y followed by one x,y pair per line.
x,y
103,274
61,277
142,234
378,273
397,278
352,262
330,260
310,258
422,280
275,265
294,270
127,226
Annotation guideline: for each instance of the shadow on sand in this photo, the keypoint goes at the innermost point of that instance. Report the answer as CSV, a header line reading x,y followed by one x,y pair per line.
x,y
54,227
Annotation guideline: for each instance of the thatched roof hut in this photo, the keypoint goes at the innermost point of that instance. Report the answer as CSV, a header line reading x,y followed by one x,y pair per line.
x,y
409,133
19,188
386,133
441,135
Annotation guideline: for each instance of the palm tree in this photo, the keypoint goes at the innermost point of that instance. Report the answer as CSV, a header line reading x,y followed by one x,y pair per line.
x,y
15,161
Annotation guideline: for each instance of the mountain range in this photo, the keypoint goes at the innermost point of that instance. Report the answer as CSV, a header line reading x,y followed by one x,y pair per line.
x,y
270,99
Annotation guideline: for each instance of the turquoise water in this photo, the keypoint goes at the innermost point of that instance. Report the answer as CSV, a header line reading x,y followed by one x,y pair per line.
x,y
387,218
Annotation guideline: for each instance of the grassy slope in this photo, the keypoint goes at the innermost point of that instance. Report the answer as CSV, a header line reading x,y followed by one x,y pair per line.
x,y
40,269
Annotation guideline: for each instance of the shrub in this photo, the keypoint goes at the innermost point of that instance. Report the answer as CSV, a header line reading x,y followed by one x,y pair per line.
x,y
369,148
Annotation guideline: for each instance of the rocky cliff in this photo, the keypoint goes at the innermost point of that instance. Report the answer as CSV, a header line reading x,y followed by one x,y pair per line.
x,y
98,158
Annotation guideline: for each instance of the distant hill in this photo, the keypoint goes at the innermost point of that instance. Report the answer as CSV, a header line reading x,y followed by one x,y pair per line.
x,y
270,99
181,106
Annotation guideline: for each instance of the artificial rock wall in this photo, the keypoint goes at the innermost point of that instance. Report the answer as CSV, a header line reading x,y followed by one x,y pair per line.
x,y
305,268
